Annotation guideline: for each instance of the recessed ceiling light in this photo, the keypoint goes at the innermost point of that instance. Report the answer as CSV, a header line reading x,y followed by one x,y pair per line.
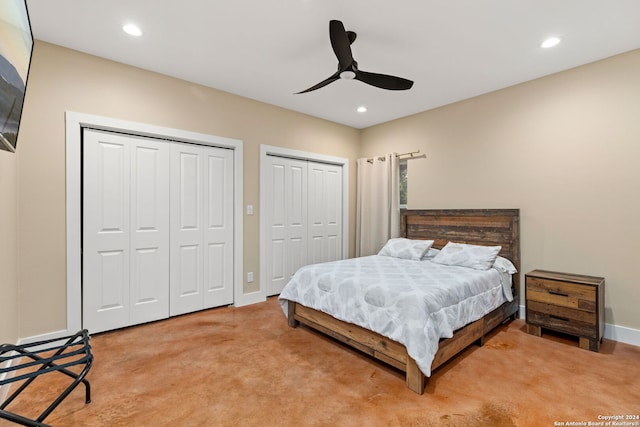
x,y
132,29
362,109
550,42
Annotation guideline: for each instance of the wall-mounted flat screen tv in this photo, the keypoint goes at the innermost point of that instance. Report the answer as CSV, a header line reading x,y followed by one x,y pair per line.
x,y
16,47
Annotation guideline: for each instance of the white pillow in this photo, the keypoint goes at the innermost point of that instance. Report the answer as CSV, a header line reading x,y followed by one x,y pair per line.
x,y
464,255
406,248
430,253
504,265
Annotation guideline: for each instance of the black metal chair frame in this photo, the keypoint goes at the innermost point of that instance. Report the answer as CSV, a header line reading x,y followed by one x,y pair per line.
x,y
43,357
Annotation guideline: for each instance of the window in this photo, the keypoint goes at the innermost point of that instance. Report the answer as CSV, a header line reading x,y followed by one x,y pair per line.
x,y
403,184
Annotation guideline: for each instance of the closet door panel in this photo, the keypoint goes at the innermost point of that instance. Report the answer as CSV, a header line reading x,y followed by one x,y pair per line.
x,y
150,176
147,278
189,270
333,222
296,181
276,212
218,233
287,219
215,267
317,214
187,175
106,237
187,193
112,274
297,256
325,213
277,264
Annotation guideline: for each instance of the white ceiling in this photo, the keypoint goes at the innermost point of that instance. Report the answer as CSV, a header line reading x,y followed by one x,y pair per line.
x,y
268,50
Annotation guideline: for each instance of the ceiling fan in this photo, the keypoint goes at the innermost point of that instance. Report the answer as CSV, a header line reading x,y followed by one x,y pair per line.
x,y
341,41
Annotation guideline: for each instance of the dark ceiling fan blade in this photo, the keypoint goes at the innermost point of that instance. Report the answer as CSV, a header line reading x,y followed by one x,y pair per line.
x,y
383,81
351,36
341,44
323,83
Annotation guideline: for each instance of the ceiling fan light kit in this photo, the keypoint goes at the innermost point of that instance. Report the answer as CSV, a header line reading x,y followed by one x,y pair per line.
x,y
341,41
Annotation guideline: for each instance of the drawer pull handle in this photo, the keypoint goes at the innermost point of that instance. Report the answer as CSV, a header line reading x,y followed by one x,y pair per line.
x,y
558,293
564,319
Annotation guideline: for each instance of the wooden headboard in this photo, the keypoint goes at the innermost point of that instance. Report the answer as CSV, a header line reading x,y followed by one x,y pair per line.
x,y
489,227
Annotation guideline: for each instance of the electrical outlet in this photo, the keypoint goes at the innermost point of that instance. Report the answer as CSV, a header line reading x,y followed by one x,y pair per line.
x,y
250,277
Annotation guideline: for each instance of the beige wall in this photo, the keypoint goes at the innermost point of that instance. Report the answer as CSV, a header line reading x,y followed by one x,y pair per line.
x,y
8,247
64,80
565,149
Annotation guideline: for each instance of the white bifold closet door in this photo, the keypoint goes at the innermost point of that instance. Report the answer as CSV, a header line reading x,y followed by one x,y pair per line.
x,y
304,213
125,230
201,227
157,229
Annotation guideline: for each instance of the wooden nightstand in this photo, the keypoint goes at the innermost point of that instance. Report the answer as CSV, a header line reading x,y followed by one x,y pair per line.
x,y
568,303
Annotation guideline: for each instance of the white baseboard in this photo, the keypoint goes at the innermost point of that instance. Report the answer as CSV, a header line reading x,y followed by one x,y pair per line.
x,y
622,334
5,388
611,331
250,298
43,337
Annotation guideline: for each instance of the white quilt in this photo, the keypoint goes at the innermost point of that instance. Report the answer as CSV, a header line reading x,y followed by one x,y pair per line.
x,y
413,302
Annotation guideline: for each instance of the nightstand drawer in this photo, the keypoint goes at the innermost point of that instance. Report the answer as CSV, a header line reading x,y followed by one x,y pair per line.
x,y
562,294
563,319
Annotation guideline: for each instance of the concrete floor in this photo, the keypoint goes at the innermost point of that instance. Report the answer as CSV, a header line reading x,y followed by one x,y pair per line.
x,y
245,367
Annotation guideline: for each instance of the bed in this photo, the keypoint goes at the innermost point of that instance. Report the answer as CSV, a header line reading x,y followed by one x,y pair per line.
x,y
485,227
